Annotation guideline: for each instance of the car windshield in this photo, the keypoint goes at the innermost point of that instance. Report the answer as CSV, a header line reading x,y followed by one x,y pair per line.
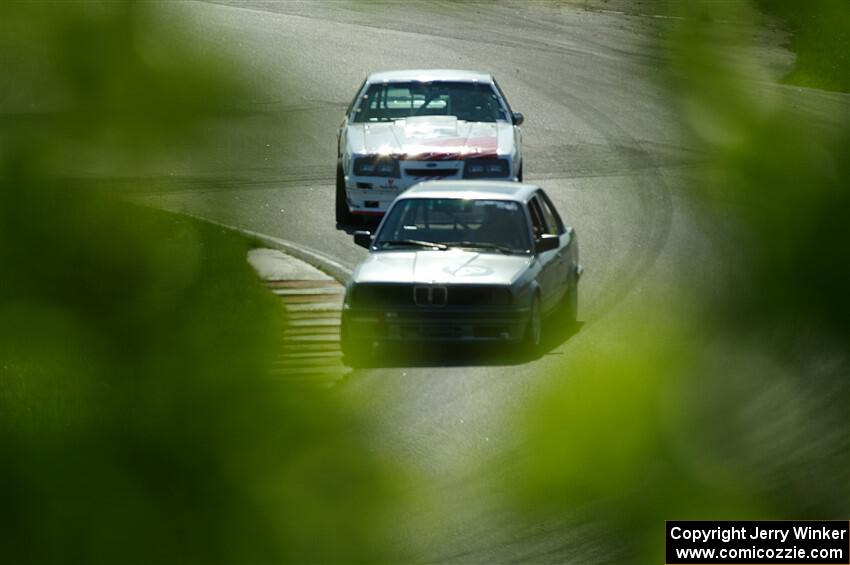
x,y
489,226
469,101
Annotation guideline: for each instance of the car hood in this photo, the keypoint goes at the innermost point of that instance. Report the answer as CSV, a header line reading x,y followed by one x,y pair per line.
x,y
453,266
432,137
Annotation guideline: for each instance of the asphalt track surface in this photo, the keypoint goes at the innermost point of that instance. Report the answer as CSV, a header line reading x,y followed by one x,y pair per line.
x,y
601,136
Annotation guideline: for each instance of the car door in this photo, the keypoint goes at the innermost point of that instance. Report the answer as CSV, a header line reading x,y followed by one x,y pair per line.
x,y
547,279
516,129
562,261
342,130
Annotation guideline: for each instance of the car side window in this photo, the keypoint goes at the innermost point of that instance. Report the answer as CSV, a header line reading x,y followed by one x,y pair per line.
x,y
503,97
538,225
356,98
554,225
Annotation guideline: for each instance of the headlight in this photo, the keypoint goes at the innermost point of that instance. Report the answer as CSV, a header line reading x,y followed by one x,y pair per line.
x,y
486,168
374,166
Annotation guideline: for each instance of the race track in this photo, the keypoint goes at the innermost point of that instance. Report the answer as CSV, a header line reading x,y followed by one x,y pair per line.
x,y
601,136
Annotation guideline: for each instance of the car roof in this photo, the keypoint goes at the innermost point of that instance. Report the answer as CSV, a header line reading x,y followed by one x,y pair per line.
x,y
472,189
426,75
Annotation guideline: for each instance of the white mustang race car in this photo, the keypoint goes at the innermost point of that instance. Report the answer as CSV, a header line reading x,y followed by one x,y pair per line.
x,y
404,127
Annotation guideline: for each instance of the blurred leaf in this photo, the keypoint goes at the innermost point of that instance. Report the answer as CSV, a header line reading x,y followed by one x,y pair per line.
x,y
138,418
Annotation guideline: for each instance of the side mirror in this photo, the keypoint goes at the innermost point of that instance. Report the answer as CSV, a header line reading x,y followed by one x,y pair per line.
x,y
363,238
547,242
517,118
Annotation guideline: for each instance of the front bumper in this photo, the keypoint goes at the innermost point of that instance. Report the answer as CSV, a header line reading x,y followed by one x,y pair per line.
x,y
443,324
371,201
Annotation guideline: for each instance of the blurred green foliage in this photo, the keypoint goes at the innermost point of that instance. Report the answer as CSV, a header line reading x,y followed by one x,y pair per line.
x,y
778,168
138,422
739,412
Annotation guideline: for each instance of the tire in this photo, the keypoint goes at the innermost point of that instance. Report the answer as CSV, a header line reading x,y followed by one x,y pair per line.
x,y
532,342
343,214
564,321
519,174
570,300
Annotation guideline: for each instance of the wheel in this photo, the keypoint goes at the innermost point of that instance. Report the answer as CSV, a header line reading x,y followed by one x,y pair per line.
x,y
356,351
534,330
343,214
570,300
519,174
564,321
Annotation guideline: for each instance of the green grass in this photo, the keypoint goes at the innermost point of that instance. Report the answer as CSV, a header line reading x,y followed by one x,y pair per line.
x,y
821,41
820,33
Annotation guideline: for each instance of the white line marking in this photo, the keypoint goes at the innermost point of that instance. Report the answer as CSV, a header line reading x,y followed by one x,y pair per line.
x,y
315,307
294,248
308,291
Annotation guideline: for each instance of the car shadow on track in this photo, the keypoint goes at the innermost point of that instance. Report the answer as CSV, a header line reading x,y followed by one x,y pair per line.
x,y
366,223
466,355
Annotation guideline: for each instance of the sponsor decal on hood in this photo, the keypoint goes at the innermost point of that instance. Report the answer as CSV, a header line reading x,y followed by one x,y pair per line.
x,y
455,266
431,138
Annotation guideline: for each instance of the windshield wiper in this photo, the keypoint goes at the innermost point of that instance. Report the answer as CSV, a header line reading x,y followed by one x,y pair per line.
x,y
416,242
482,245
